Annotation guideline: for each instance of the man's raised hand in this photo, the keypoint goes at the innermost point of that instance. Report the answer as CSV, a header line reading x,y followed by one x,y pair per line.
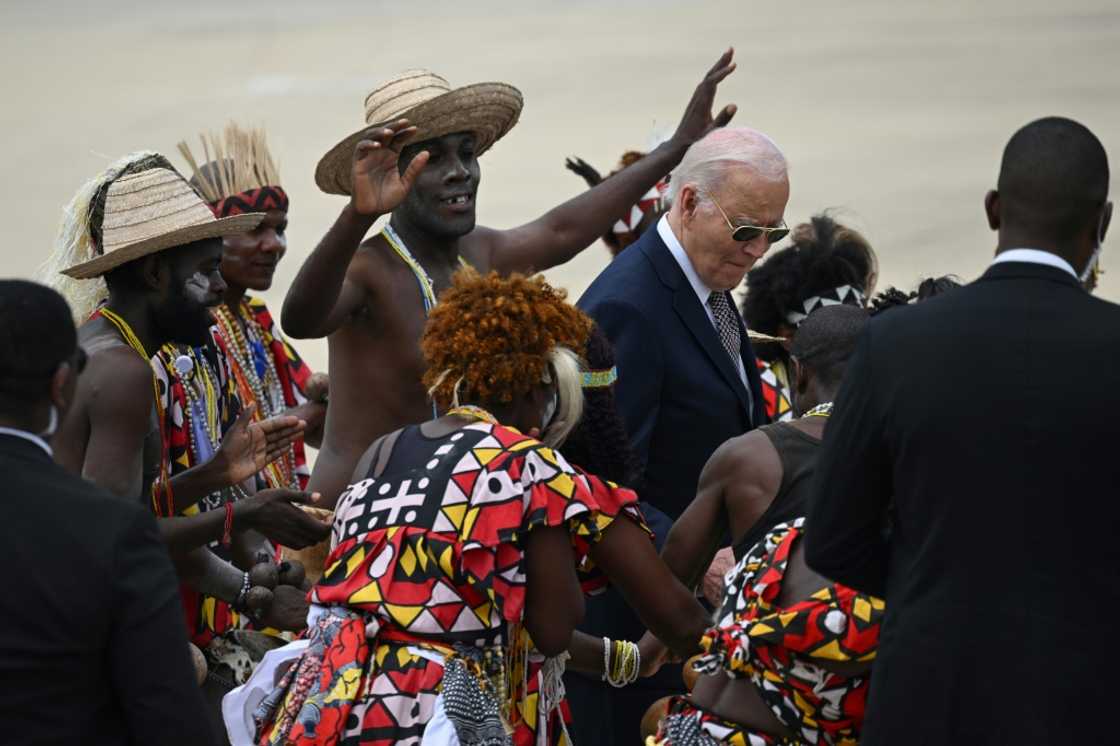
x,y
378,185
698,120
250,446
582,168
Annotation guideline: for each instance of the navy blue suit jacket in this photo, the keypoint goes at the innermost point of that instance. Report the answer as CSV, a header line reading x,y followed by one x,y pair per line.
x,y
678,391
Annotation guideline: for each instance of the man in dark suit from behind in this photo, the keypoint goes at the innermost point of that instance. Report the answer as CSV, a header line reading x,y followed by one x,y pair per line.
x,y
93,648
687,377
969,476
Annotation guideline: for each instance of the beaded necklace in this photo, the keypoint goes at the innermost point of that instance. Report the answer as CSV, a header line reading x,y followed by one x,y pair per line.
x,y
470,410
202,406
423,279
204,431
823,409
134,342
257,378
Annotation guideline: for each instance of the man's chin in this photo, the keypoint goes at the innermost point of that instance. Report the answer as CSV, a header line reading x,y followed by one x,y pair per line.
x,y
452,225
194,336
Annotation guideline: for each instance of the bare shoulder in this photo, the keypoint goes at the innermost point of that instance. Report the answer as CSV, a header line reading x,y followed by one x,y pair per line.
x,y
748,459
477,247
118,377
370,262
370,458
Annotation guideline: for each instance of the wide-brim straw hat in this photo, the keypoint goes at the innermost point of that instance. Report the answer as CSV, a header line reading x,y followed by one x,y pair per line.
x,y
427,101
150,211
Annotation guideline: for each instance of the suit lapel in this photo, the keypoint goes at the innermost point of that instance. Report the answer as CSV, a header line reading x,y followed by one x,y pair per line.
x,y
695,318
688,307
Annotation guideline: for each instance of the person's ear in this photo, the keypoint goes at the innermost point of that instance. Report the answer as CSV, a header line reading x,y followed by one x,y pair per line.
x,y
62,387
801,376
689,200
1106,220
991,208
154,273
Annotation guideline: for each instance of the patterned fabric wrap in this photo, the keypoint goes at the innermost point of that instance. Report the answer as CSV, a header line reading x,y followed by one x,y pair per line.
x,y
290,369
651,200
207,617
612,501
471,703
254,200
777,648
775,390
686,724
424,560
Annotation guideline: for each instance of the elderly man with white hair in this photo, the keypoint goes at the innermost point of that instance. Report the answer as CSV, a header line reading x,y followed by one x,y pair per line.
x,y
687,379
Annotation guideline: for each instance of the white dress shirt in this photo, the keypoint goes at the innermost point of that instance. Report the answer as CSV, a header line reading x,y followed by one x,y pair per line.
x,y
30,437
702,291
1035,256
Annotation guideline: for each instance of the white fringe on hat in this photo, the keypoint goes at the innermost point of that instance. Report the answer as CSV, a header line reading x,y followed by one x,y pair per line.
x,y
74,244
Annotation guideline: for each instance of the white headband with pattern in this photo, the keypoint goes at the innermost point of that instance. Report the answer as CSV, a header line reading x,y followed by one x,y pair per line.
x,y
844,295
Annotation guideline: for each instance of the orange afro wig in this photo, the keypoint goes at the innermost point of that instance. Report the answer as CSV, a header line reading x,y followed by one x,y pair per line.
x,y
489,338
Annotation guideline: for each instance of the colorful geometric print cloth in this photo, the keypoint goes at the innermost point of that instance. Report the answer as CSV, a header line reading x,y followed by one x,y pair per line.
x,y
775,390
686,724
426,559
207,617
777,648
270,348
261,199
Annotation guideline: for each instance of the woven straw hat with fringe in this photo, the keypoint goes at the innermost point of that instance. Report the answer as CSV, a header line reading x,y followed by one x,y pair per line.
x,y
489,110
150,211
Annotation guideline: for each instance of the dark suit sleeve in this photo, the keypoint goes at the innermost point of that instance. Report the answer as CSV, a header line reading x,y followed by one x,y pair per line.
x,y
844,532
637,355
148,655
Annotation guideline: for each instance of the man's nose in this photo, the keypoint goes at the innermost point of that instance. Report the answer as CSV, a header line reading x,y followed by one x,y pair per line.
x,y
217,283
457,171
757,247
271,243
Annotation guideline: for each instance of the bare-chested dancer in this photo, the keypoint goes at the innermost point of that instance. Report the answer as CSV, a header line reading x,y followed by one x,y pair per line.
x,y
143,229
369,297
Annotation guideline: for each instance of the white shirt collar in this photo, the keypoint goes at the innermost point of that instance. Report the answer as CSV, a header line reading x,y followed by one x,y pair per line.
x,y
666,232
1035,256
31,437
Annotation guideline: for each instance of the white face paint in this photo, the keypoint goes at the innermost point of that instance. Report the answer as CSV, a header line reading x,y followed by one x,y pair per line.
x,y
197,288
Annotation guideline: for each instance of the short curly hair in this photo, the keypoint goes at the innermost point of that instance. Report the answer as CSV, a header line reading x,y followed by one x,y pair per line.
x,y
489,338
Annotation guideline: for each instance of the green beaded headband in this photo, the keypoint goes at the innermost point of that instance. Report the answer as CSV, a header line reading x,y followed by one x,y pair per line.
x,y
597,379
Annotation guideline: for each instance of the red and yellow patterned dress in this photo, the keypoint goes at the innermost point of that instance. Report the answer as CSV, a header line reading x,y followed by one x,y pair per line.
x,y
780,650
427,571
266,370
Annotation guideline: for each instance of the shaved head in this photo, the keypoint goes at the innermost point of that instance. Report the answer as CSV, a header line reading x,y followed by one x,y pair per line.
x,y
824,341
1053,181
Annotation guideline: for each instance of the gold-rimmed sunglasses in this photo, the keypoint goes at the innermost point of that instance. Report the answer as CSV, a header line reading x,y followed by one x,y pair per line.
x,y
748,232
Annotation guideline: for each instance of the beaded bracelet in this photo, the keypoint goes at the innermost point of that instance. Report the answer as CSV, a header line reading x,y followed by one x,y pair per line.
x,y
239,604
621,668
